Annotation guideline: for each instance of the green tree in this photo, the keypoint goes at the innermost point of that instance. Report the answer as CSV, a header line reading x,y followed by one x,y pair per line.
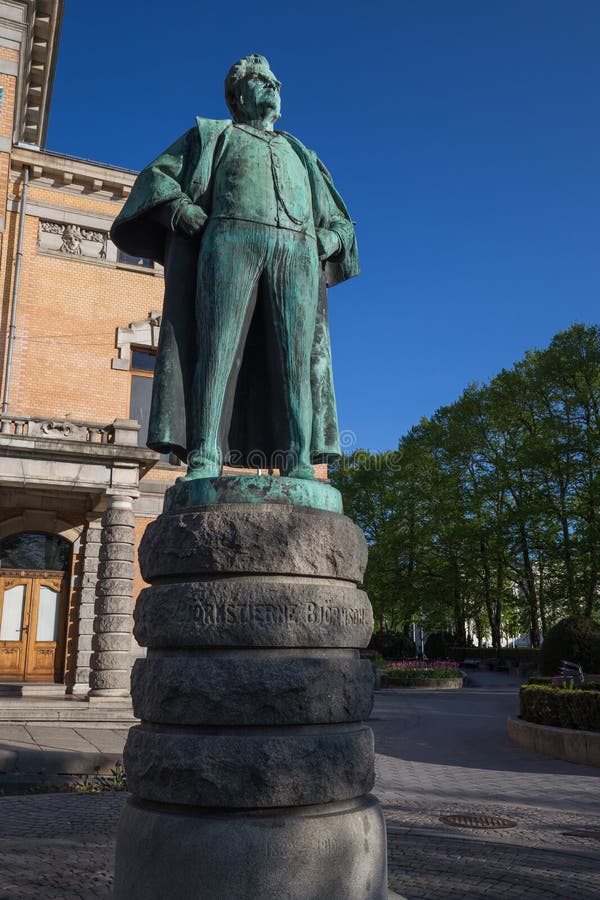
x,y
485,520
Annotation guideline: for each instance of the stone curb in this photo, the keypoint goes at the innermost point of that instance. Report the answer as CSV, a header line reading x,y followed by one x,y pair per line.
x,y
581,747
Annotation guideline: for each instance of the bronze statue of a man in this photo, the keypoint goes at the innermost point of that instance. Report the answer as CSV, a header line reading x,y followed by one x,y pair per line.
x,y
251,231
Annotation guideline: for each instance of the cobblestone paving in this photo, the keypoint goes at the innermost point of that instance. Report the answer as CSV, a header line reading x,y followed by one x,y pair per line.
x,y
428,859
448,753
57,845
440,754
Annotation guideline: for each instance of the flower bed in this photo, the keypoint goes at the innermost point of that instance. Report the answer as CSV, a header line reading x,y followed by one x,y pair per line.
x,y
436,673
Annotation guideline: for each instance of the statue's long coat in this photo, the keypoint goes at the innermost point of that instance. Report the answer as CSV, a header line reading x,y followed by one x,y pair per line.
x,y
258,422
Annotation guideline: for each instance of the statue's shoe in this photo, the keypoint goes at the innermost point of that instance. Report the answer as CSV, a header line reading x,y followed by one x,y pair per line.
x,y
201,466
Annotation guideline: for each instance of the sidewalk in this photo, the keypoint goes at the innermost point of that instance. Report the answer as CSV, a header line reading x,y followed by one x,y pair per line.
x,y
61,736
57,749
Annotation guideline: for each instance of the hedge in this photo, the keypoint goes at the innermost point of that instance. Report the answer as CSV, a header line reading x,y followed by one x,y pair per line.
x,y
561,707
408,675
438,644
393,645
575,638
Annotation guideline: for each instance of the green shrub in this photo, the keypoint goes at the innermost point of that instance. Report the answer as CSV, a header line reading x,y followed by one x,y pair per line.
x,y
393,645
561,707
377,661
540,679
576,639
437,645
405,673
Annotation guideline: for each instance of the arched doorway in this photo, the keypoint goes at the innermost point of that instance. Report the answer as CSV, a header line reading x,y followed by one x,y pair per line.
x,y
34,577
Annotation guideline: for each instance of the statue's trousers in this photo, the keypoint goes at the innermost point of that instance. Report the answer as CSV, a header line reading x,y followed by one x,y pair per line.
x,y
247,269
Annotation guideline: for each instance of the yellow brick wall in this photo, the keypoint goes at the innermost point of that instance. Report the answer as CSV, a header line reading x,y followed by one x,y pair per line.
x,y
8,84
68,313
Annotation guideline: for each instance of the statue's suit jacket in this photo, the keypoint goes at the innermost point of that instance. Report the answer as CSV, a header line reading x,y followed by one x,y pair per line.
x,y
183,173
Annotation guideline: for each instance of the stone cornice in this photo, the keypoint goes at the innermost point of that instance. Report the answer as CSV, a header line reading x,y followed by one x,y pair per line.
x,y
32,27
40,69
73,175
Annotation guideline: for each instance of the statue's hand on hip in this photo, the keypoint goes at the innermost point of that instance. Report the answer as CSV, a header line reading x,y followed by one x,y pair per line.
x,y
328,243
191,220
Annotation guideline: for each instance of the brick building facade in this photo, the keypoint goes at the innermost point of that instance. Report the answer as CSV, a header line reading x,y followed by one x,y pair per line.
x,y
77,486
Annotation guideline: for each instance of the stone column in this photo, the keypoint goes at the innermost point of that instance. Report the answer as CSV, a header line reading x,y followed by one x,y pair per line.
x,y
252,767
89,579
110,661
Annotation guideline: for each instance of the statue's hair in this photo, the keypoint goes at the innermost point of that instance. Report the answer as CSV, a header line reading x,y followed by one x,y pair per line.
x,y
237,72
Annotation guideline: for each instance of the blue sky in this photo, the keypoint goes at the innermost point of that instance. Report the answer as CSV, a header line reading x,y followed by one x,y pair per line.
x,y
464,136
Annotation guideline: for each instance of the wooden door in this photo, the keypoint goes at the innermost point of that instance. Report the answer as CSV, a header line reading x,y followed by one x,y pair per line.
x,y
32,625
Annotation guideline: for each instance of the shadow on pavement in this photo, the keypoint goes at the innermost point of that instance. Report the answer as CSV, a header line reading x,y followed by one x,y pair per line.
x,y
434,862
463,728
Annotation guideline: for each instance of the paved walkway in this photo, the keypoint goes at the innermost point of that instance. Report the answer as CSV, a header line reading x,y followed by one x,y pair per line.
x,y
438,753
443,753
26,749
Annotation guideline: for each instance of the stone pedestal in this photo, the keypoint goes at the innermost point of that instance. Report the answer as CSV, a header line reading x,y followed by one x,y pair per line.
x,y
251,769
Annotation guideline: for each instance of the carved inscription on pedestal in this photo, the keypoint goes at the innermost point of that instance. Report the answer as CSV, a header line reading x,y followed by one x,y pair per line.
x,y
260,614
257,614
323,847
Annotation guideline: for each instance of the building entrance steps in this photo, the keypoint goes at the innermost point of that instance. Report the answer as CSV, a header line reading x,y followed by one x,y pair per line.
x,y
31,689
74,711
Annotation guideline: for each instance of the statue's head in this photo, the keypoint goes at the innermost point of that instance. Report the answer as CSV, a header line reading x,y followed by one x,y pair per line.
x,y
252,90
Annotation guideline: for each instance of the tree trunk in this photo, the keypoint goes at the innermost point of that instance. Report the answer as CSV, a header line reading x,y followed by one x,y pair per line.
x,y
491,606
460,627
531,592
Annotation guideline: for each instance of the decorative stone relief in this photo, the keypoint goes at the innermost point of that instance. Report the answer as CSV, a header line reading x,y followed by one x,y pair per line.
x,y
72,240
58,429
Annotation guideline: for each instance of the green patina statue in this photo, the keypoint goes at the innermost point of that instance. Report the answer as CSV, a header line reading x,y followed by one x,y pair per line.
x,y
251,231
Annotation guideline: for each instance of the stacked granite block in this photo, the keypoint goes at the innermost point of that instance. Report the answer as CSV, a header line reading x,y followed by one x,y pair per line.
x,y
252,766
